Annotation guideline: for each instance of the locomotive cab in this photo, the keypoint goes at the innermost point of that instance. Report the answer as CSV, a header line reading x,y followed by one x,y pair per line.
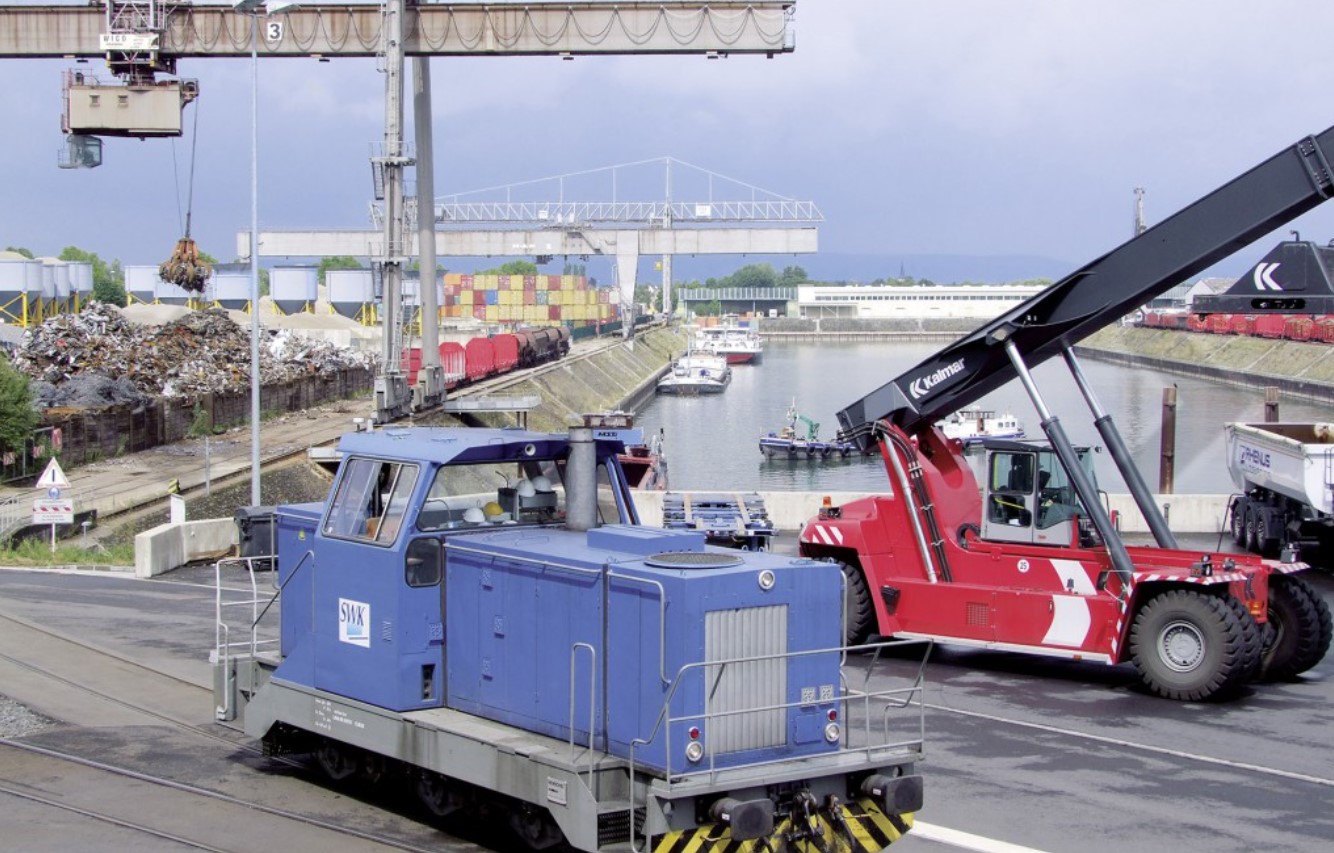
x,y
374,561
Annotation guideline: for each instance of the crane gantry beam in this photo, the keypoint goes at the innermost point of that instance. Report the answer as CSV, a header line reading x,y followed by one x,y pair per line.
x,y
434,29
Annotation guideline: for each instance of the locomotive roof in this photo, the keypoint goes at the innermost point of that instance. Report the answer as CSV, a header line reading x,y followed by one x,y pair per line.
x,y
453,444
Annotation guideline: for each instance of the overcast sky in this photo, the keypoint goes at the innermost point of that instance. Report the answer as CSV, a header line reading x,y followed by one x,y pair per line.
x,y
969,127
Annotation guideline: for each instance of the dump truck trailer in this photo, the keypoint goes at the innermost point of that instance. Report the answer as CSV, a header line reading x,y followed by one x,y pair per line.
x,y
1285,475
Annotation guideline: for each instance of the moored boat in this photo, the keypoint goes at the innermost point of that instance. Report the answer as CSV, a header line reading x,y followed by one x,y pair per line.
x,y
643,462
696,373
968,425
790,443
737,343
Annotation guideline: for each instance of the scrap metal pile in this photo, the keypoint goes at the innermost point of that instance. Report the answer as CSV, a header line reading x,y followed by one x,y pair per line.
x,y
97,357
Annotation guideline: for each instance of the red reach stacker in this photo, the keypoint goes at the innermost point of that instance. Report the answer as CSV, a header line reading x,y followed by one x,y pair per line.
x,y
1014,549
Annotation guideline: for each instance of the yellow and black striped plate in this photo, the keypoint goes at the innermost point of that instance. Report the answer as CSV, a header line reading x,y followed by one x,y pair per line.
x,y
870,830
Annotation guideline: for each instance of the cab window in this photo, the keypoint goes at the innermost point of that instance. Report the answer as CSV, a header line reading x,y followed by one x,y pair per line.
x,y
371,500
1011,486
493,493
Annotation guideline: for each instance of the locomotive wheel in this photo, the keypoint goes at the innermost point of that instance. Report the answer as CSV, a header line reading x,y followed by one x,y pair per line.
x,y
534,827
1301,629
1239,522
335,760
437,794
1191,646
857,603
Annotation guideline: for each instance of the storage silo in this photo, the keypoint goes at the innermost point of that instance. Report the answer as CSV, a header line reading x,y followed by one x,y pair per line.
x,y
294,289
231,286
141,284
20,289
58,301
48,289
81,283
352,294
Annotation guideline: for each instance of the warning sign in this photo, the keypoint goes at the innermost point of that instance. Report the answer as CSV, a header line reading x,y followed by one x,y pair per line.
x,y
52,512
52,477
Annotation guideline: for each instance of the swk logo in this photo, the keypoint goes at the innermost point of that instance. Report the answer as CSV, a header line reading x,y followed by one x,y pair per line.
x,y
354,619
1264,277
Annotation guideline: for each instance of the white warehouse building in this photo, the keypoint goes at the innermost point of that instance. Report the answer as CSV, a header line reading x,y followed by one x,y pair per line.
x,y
870,301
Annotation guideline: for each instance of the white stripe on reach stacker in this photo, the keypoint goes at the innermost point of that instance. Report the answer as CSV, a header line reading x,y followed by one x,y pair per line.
x,y
966,840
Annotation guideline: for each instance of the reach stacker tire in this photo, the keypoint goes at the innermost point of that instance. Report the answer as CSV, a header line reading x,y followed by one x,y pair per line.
x,y
857,604
1191,646
1301,625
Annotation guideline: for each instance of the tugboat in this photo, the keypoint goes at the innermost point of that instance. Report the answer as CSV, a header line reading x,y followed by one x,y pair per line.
x,y
644,463
789,443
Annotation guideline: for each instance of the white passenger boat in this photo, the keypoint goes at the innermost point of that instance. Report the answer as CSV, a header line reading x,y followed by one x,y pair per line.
x,y
969,425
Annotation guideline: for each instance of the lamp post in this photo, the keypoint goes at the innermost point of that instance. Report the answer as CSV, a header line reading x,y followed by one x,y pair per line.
x,y
252,8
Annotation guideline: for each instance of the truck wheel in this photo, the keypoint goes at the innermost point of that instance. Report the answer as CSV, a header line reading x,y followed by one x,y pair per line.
x,y
857,603
1239,521
1265,538
1252,534
1191,646
1301,629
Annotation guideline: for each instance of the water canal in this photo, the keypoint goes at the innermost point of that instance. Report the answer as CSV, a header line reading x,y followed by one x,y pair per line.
x,y
711,442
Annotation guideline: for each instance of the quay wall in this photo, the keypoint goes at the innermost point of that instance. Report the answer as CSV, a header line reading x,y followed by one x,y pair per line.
x,y
790,510
1300,369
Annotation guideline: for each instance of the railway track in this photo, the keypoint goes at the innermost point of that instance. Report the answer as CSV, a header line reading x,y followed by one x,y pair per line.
x,y
186,814
108,779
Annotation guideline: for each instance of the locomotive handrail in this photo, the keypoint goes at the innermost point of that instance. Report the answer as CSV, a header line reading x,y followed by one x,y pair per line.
x,y
283,585
222,640
592,702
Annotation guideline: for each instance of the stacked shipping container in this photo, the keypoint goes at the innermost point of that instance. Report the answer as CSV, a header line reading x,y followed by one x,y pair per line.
x,y
533,299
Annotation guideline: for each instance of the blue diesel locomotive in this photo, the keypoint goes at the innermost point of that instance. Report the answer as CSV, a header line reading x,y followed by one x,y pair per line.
x,y
480,609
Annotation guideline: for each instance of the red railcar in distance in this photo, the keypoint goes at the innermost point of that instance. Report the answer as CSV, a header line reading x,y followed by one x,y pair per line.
x,y
507,352
481,358
1242,324
1270,326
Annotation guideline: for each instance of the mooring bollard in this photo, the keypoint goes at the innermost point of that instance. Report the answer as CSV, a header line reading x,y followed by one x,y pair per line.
x,y
1167,460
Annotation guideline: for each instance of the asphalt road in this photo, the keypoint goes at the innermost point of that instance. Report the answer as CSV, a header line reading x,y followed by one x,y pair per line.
x,y
1038,754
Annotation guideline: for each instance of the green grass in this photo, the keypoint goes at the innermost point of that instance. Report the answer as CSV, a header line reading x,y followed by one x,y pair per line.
x,y
37,552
